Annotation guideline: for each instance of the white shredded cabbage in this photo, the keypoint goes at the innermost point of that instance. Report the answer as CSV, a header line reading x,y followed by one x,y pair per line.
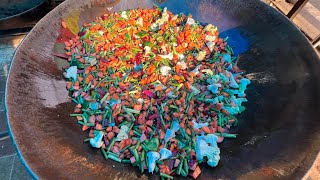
x,y
124,14
210,38
191,21
201,55
139,21
164,18
182,64
168,56
164,70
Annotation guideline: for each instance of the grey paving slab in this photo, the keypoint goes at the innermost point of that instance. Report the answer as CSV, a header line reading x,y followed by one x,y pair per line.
x,y
6,147
2,101
10,164
19,172
3,123
3,80
6,164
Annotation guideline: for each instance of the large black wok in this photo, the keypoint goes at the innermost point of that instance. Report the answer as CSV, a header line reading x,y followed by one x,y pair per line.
x,y
279,135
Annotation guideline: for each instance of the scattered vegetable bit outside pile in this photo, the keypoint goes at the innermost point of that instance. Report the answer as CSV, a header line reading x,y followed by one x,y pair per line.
x,y
154,89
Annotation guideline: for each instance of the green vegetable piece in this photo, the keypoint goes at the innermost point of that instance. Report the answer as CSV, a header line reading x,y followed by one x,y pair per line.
x,y
180,166
166,176
129,110
90,124
141,167
146,161
128,37
136,133
143,154
142,34
113,140
174,107
183,173
153,144
138,144
134,152
104,153
104,98
185,166
114,158
227,135
113,154
123,149
126,161
241,109
156,169
75,115
147,44
145,147
159,162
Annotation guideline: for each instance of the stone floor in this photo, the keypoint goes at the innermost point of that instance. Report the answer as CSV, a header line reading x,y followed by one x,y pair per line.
x,y
10,164
308,20
13,7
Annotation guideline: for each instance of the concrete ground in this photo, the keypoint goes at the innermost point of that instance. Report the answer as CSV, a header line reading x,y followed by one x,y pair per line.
x,y
11,167
13,7
308,20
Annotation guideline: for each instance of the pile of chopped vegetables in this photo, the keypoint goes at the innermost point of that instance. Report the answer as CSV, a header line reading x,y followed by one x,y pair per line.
x,y
155,89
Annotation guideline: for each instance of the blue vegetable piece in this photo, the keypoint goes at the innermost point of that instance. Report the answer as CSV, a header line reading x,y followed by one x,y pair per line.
x,y
175,126
181,144
94,106
194,90
230,67
170,95
97,140
92,60
113,102
215,100
231,110
72,72
211,139
233,91
165,153
122,133
213,79
199,125
137,67
214,88
220,98
196,70
238,101
233,82
226,57
223,77
169,135
244,82
152,158
206,146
